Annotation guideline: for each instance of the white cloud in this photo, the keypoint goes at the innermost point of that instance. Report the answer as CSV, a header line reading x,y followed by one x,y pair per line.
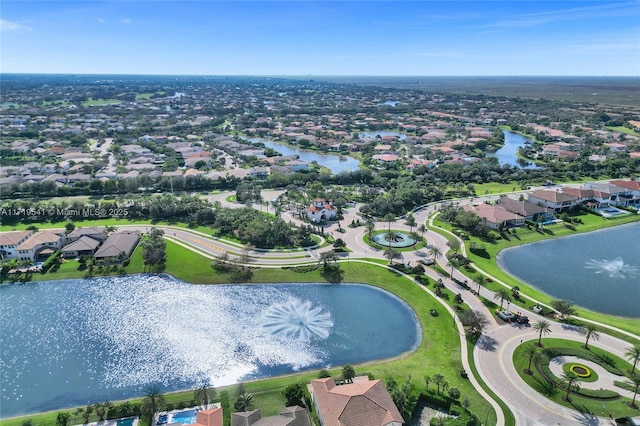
x,y
12,26
577,13
126,21
101,20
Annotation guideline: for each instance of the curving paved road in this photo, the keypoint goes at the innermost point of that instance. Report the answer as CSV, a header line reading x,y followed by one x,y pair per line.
x,y
494,350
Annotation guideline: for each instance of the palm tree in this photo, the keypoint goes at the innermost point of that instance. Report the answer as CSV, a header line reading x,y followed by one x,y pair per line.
x,y
542,327
479,280
533,353
422,229
415,236
204,394
634,384
152,402
451,264
244,402
438,379
427,380
633,354
389,217
348,373
435,253
590,331
370,226
502,294
391,254
410,222
571,381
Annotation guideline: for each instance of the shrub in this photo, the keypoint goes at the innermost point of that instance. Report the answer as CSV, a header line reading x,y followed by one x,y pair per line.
x,y
51,260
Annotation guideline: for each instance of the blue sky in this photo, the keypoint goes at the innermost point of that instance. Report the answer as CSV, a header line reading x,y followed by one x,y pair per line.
x,y
451,38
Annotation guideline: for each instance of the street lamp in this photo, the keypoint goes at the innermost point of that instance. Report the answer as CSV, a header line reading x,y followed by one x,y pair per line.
x,y
508,305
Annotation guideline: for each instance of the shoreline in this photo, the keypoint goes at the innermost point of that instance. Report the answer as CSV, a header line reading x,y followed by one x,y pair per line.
x,y
499,261
414,318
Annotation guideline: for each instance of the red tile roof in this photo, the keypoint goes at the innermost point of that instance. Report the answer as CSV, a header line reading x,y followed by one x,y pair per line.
x,y
362,403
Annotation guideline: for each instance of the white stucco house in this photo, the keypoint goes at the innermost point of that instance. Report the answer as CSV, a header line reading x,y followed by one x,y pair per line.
x,y
321,210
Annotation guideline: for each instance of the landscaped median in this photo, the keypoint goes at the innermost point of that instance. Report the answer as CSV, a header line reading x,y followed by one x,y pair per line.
x,y
585,398
438,352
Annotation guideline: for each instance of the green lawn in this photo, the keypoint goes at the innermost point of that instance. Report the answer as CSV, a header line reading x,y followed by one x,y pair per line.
x,y
623,129
619,406
438,352
146,96
100,102
523,236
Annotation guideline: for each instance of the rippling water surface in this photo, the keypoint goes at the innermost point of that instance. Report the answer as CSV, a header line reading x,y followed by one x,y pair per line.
x,y
74,342
597,270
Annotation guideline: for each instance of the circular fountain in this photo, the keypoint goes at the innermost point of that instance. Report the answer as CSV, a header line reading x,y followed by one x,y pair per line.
x,y
395,239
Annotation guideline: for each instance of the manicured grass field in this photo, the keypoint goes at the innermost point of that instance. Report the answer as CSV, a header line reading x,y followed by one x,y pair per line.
x,y
438,352
581,403
488,263
100,102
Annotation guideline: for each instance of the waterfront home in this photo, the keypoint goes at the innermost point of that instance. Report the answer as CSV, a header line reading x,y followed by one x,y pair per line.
x,y
363,402
495,217
40,245
620,195
289,416
555,200
83,246
212,417
9,242
524,208
118,246
633,186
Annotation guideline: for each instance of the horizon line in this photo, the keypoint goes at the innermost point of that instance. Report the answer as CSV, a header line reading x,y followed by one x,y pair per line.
x,y
325,75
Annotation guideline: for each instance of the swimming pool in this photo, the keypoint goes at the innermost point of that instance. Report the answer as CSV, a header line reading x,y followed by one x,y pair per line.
x,y
125,422
185,417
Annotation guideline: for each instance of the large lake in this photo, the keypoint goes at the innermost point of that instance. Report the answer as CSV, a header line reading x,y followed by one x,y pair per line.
x,y
335,162
74,342
599,270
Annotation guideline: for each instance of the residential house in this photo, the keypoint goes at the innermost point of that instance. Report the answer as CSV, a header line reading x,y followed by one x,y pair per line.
x,y
415,163
555,200
495,216
118,246
212,417
363,402
9,242
524,208
631,185
321,211
259,172
620,195
592,198
290,416
95,232
83,246
40,245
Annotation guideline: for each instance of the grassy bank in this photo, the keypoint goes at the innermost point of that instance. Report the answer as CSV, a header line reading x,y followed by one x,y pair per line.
x,y
487,261
438,351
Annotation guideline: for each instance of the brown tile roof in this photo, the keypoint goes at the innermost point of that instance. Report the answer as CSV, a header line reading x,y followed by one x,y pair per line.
x,y
41,237
13,238
493,214
629,184
554,196
362,403
120,242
